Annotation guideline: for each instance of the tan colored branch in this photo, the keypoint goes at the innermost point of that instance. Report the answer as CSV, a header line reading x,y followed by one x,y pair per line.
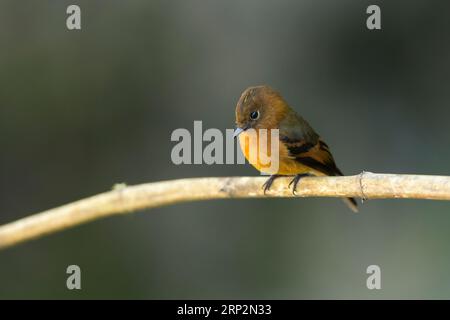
x,y
125,199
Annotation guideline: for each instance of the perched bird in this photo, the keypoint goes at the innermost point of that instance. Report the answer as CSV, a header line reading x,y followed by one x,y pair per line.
x,y
302,152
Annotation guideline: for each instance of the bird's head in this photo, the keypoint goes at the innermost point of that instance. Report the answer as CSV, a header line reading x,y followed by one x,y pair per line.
x,y
259,107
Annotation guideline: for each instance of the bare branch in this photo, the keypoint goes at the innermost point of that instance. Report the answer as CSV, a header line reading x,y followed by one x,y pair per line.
x,y
124,199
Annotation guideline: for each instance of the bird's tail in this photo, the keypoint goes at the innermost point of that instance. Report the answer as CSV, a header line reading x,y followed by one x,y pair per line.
x,y
351,203
330,169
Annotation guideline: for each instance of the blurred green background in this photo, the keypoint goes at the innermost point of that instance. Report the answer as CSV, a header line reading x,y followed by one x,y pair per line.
x,y
83,110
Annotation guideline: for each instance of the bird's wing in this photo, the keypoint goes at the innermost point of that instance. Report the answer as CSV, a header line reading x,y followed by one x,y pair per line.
x,y
305,145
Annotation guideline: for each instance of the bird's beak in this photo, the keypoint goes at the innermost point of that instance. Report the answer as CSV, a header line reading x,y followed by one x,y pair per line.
x,y
237,132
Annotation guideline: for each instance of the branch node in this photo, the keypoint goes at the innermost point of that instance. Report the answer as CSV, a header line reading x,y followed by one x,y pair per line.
x,y
119,186
361,186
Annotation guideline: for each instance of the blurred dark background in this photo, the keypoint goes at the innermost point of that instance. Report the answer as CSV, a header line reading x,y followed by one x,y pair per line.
x,y
83,110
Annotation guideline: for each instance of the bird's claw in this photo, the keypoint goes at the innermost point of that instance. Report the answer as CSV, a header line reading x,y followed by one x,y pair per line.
x,y
266,186
296,180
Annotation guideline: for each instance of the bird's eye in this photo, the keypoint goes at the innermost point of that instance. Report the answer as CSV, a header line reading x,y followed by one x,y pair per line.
x,y
254,115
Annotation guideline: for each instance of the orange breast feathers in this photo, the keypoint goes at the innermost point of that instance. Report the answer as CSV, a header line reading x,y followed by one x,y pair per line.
x,y
263,155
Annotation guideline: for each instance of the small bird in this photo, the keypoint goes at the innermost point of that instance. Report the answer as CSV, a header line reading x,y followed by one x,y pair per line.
x,y
302,152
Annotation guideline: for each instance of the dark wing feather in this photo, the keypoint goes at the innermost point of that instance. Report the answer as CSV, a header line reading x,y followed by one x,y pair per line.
x,y
305,145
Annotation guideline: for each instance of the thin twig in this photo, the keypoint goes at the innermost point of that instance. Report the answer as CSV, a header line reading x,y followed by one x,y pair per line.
x,y
125,199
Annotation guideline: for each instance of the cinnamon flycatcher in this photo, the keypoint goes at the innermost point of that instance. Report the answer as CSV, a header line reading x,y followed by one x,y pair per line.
x,y
302,152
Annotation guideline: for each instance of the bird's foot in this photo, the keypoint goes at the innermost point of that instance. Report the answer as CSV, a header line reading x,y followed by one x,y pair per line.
x,y
296,180
266,186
